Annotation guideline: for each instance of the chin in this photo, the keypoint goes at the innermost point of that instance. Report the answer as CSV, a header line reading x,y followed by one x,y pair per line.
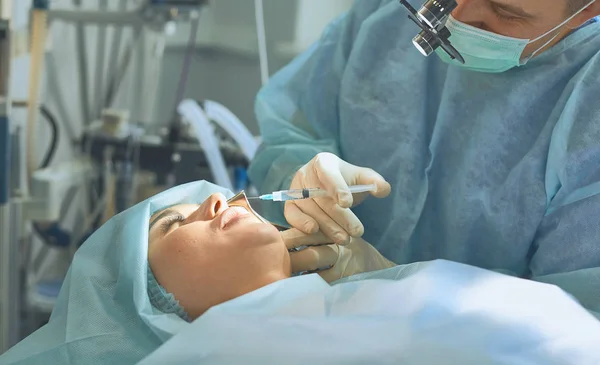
x,y
264,227
259,234
270,231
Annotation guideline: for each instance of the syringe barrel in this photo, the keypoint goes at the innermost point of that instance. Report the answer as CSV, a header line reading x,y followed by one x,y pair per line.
x,y
297,194
317,193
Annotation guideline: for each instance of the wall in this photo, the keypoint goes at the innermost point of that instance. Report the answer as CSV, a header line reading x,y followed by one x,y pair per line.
x,y
291,26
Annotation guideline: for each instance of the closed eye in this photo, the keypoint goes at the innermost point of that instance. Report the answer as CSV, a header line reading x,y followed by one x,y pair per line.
x,y
169,220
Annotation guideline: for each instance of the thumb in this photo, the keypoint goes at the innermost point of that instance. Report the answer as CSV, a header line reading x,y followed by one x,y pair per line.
x,y
366,176
383,189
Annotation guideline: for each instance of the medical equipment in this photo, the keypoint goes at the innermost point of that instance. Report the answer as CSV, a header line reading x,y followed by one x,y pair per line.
x,y
203,130
241,200
263,57
9,311
431,18
150,22
181,159
311,193
39,33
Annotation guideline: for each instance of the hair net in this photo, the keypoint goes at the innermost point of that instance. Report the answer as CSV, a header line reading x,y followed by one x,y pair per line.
x,y
103,312
163,300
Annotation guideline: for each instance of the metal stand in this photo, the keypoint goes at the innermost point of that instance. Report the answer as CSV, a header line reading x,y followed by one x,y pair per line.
x,y
149,23
9,272
5,276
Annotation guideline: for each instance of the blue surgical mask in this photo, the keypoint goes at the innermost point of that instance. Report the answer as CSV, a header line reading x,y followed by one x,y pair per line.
x,y
489,52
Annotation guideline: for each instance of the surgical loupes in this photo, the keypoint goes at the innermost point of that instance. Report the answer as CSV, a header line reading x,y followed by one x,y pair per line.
x,y
431,18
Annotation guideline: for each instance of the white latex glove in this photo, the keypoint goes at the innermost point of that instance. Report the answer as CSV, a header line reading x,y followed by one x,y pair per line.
x,y
331,261
332,216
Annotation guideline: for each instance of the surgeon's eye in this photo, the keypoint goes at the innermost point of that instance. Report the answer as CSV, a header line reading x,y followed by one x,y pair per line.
x,y
508,18
168,222
502,15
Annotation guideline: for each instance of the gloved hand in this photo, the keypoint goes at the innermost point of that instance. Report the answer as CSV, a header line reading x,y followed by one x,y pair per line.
x,y
331,261
332,216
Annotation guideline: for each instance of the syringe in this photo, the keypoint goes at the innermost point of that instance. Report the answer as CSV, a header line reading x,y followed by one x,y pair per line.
x,y
311,193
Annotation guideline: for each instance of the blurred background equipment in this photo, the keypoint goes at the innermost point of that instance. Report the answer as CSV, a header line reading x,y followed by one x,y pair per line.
x,y
9,305
105,103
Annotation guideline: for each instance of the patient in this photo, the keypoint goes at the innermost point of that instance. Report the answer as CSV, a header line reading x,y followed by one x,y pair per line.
x,y
222,248
193,257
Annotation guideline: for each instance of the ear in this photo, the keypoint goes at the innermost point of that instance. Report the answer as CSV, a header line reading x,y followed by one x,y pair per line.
x,y
591,11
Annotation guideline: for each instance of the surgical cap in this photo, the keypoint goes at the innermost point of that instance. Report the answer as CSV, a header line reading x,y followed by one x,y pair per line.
x,y
163,300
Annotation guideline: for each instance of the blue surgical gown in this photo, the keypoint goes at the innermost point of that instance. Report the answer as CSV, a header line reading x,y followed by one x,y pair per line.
x,y
500,171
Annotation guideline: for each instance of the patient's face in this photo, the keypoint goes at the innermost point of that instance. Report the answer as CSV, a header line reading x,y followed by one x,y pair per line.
x,y
210,253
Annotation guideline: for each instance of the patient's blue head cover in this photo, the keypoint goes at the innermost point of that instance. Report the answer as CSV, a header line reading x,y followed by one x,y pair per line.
x,y
162,300
103,310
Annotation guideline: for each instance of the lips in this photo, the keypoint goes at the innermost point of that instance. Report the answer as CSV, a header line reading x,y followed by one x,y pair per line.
x,y
232,215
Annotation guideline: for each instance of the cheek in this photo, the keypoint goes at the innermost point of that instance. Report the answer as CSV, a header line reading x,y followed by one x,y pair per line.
x,y
177,247
258,247
177,257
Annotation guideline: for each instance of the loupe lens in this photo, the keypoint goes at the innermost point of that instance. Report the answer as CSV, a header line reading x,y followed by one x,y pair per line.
x,y
433,12
426,43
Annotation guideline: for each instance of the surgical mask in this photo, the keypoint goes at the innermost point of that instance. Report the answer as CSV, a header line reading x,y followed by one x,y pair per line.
x,y
489,52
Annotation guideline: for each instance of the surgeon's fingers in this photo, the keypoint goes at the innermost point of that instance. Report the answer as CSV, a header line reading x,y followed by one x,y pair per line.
x,y
327,225
330,275
344,217
294,238
325,168
298,219
366,176
314,258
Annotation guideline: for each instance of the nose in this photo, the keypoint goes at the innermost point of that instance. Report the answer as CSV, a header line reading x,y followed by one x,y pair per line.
x,y
212,207
470,12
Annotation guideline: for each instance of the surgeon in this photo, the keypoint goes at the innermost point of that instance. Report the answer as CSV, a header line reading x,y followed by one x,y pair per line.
x,y
493,163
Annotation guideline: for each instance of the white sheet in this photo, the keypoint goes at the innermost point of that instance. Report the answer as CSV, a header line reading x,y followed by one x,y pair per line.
x,y
427,313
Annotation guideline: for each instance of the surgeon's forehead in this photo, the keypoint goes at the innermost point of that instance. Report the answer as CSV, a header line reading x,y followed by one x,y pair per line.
x,y
535,8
